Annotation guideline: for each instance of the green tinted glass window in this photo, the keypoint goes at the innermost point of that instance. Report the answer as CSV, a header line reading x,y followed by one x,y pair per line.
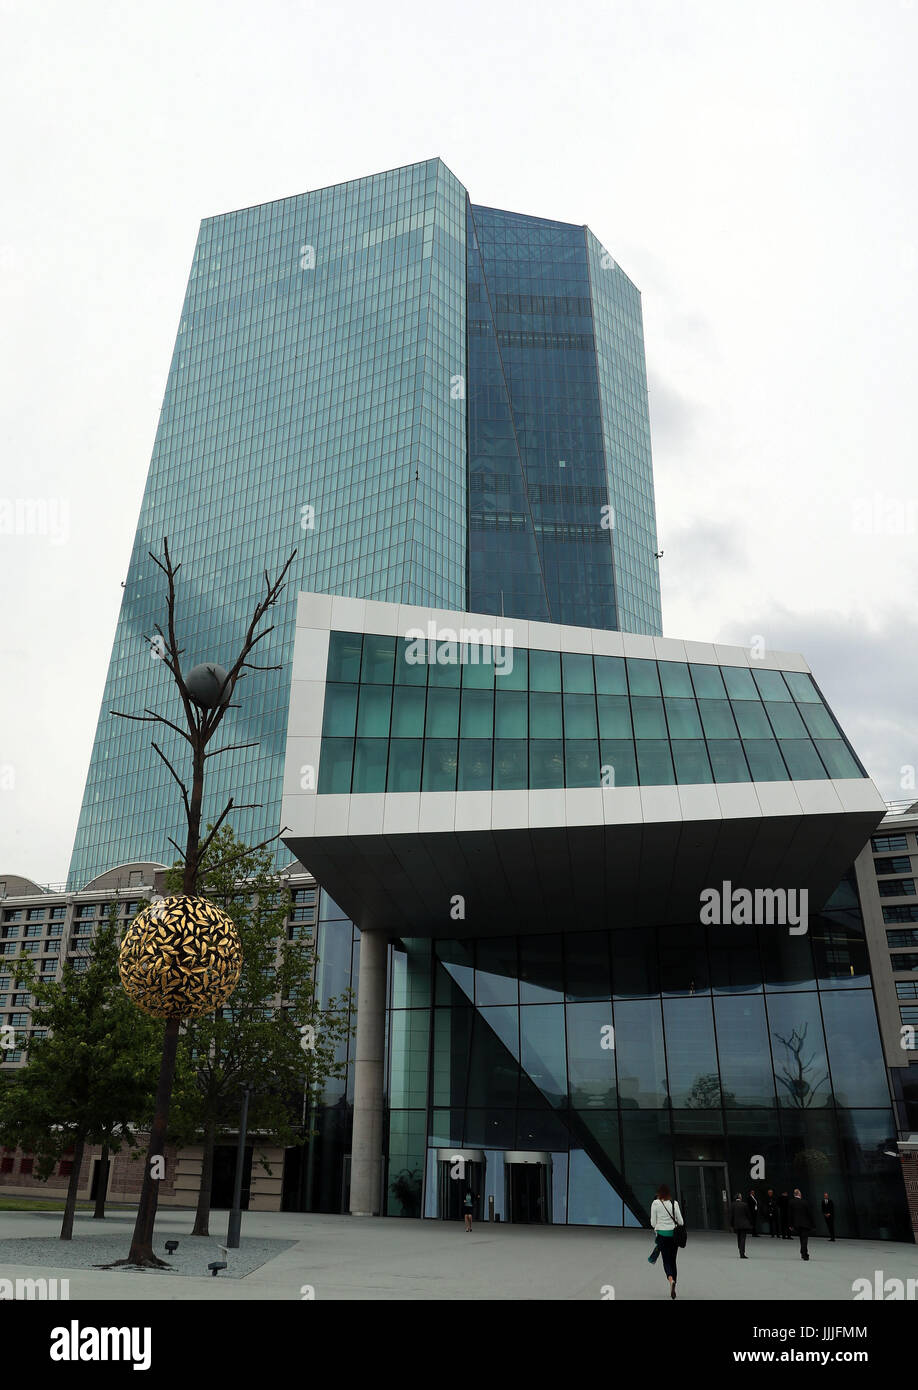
x,y
727,761
474,764
675,679
691,759
446,670
378,659
370,756
410,661
785,720
544,715
707,681
442,713
373,711
837,758
344,650
581,763
544,670
802,687
405,765
751,718
335,765
477,714
618,765
649,720
819,721
803,762
510,713
512,672
441,757
579,716
340,716
771,685
614,716
408,711
546,763
765,761
642,676
610,675
577,672
510,764
739,683
655,765
478,674
717,718
682,716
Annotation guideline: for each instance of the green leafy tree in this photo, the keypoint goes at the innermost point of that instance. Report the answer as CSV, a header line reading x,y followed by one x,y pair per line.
x,y
261,1039
92,1076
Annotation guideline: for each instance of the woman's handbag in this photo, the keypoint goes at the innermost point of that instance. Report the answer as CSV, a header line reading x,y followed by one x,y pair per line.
x,y
680,1234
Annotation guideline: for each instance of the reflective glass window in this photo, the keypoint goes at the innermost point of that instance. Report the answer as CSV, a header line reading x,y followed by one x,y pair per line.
x,y
442,713
642,676
546,764
344,650
751,719
838,759
765,761
378,659
717,719
373,711
771,684
640,1057
707,681
675,679
577,672
340,716
610,675
742,1046
544,715
798,1050
655,764
408,711
581,763
474,764
579,716
649,720
727,761
510,714
335,765
690,1053
618,756
544,670
691,759
370,755
441,757
477,714
739,683
510,770
802,760
785,720
683,719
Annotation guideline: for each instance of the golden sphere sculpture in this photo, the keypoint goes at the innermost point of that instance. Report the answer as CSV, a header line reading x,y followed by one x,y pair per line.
x,y
181,957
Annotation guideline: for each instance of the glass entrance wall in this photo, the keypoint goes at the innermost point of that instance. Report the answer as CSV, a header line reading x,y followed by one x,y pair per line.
x,y
623,1054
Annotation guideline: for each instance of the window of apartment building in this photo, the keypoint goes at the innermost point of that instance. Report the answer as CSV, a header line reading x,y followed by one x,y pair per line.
x,y
10,949
906,989
905,912
22,1001
56,930
896,887
899,864
299,933
31,948
905,961
13,915
882,844
85,910
39,1033
10,933
34,929
3,1000
65,1168
35,914
131,909
58,912
6,1165
80,965
14,1056
896,940
26,1165
19,1020
909,1013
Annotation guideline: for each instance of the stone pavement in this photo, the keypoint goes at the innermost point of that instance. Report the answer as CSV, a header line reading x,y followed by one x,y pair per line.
x,y
343,1257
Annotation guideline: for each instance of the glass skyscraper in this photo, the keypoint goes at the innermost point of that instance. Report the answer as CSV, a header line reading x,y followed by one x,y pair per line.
x,y
433,402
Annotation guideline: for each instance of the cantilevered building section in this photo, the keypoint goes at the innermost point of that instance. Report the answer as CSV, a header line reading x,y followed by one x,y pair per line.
x,y
435,403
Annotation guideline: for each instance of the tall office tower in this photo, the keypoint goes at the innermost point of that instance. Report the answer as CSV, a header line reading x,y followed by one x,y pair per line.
x,y
435,403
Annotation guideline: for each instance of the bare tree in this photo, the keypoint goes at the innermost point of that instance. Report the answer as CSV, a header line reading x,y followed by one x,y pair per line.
x,y
202,720
801,1090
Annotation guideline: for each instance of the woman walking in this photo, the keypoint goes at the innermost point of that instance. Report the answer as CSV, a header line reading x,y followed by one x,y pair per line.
x,y
741,1223
665,1216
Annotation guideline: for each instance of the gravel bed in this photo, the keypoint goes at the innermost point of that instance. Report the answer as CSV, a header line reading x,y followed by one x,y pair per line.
x,y
193,1255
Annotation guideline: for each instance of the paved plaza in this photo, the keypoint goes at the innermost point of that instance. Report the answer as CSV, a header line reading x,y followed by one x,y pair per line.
x,y
342,1257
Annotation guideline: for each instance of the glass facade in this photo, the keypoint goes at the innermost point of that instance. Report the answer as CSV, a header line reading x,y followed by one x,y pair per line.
x,y
435,403
404,716
624,1059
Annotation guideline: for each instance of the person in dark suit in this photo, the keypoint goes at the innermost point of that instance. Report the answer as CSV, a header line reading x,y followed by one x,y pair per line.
x,y
783,1204
828,1211
801,1220
752,1202
741,1223
771,1212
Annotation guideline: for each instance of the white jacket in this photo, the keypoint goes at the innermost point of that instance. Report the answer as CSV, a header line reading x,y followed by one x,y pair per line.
x,y
660,1218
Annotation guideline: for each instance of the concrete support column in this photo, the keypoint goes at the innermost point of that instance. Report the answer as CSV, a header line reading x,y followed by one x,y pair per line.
x,y
366,1145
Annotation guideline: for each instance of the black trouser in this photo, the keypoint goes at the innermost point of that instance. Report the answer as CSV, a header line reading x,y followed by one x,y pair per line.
x,y
785,1233
741,1241
830,1222
754,1231
773,1224
804,1237
668,1250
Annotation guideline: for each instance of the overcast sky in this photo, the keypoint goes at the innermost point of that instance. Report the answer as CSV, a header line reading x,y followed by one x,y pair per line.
x,y
751,167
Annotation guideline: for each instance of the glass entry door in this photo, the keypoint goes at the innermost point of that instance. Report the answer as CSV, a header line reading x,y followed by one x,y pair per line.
x,y
701,1189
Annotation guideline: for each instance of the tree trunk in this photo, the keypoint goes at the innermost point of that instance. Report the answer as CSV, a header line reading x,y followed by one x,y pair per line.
x,y
72,1188
202,1215
99,1213
141,1251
